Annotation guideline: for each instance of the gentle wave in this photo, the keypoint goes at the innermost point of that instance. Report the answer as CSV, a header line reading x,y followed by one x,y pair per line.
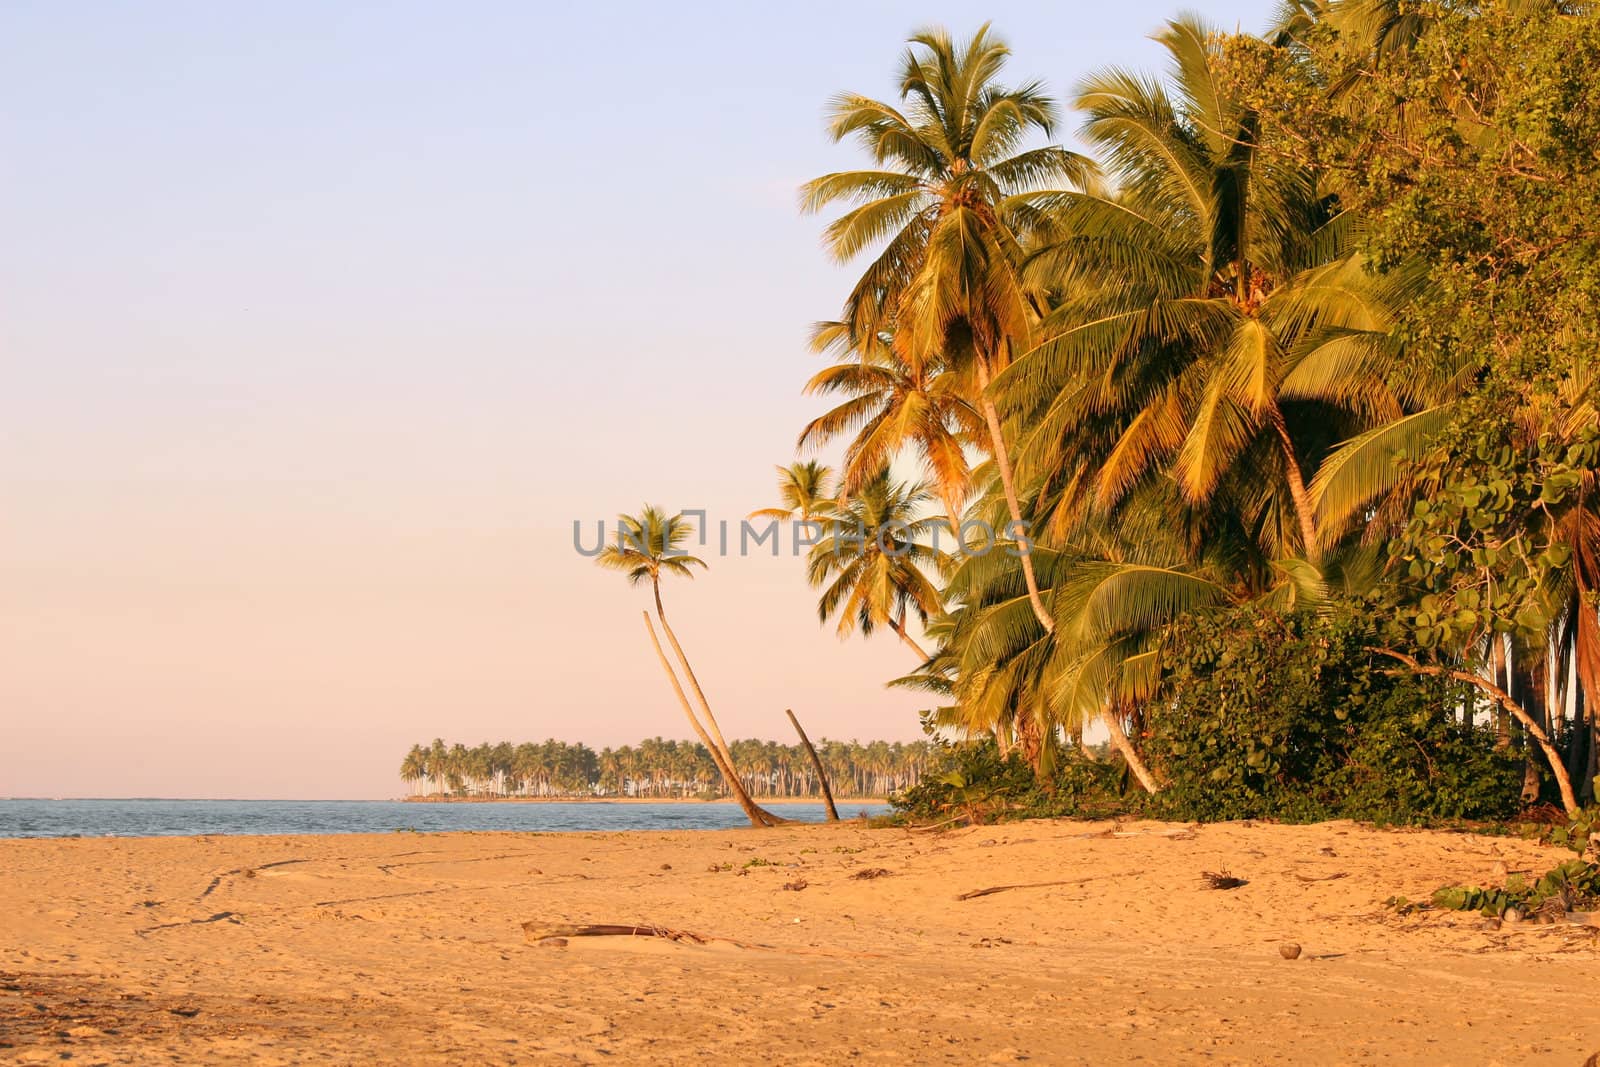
x,y
166,818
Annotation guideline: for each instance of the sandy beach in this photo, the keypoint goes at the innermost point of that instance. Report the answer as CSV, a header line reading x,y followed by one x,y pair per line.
x,y
823,944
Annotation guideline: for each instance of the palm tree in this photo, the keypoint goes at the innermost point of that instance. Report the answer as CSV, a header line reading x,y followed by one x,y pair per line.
x,y
950,201
1212,336
646,546
892,403
1213,323
438,759
414,767
869,561
806,489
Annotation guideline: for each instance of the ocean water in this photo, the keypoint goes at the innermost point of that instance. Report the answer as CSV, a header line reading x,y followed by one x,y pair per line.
x,y
162,818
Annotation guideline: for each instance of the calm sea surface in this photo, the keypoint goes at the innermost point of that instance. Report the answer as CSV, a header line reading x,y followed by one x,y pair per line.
x,y
145,818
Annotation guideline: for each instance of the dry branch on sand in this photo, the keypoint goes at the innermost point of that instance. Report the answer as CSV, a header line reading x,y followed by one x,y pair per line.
x,y
1032,885
559,933
1221,880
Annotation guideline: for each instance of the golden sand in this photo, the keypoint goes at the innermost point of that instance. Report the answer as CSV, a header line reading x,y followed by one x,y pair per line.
x,y
409,948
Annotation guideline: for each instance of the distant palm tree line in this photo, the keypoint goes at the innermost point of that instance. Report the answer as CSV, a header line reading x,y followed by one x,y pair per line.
x,y
658,768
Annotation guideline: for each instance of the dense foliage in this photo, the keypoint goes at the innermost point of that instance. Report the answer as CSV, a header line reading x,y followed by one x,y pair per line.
x,y
974,781
1310,325
1291,717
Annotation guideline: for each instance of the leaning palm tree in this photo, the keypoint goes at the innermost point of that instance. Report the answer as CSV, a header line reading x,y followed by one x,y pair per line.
x,y
949,202
646,546
870,559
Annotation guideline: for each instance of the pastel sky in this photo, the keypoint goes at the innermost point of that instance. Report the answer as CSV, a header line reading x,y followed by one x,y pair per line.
x,y
321,323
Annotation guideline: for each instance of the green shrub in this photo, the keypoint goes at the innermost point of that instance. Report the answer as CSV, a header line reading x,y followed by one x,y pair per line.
x,y
1575,883
1287,716
972,779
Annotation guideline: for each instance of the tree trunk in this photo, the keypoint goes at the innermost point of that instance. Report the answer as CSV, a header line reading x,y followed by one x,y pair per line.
x,y
1002,462
1497,674
1528,689
1031,739
757,816
899,628
816,764
1120,742
699,694
1083,746
1580,739
1568,800
952,514
1575,734
1592,768
1303,510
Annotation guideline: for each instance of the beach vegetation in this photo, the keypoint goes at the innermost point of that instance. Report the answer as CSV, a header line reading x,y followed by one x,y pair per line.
x,y
1283,393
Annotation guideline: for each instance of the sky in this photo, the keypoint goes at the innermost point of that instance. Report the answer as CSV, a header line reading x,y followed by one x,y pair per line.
x,y
320,325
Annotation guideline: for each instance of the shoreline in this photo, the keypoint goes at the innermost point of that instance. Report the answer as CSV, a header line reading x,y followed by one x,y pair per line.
x,y
763,801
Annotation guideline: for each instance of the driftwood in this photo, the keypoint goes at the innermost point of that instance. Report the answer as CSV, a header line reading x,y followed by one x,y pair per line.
x,y
1182,833
1037,885
540,931
1323,878
558,933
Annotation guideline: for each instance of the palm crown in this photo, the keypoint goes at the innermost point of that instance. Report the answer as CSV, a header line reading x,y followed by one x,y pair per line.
x,y
806,490
1212,292
870,559
951,167
649,544
956,195
890,404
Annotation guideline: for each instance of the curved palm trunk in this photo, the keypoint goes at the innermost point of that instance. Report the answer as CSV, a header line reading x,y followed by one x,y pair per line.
x,y
757,816
699,694
1002,462
1120,742
1303,510
816,764
899,628
953,515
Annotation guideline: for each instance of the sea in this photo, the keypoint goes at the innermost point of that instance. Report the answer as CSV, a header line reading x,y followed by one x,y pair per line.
x,y
167,818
